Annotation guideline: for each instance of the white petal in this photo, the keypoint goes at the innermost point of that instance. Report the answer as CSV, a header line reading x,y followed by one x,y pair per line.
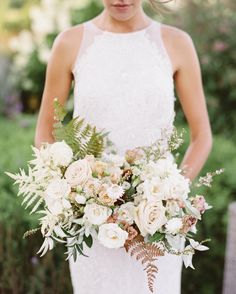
x,y
187,258
197,246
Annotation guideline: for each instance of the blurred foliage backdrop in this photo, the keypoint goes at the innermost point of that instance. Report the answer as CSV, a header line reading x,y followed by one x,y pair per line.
x,y
27,31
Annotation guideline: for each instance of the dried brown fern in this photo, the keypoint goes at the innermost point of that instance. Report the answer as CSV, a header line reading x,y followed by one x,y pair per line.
x,y
147,253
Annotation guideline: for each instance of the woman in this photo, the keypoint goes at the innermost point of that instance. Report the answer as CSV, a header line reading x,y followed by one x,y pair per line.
x,y
125,65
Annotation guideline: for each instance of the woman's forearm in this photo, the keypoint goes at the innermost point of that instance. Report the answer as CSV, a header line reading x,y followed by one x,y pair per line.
x,y
43,138
196,156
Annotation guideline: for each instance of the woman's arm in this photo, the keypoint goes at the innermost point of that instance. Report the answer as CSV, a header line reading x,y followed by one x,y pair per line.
x,y
188,83
58,81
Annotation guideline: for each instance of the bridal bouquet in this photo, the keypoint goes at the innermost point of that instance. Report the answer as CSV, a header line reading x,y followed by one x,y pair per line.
x,y
83,191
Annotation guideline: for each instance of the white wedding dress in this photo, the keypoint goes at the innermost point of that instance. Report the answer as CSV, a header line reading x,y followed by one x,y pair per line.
x,y
124,83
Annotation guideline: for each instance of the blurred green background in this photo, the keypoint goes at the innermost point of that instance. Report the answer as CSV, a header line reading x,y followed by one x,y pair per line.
x,y
27,30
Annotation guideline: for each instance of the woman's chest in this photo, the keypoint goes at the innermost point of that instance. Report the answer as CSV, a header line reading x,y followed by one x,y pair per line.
x,y
123,67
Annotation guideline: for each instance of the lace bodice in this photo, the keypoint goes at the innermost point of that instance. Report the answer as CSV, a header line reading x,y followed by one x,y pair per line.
x,y
124,83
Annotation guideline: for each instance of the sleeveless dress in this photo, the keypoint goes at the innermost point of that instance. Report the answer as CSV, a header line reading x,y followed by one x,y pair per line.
x,y
124,83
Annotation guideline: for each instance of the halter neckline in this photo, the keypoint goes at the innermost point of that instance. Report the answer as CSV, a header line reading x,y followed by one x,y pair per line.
x,y
122,33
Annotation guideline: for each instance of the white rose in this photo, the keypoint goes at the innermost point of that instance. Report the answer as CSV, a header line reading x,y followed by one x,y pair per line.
x,y
149,171
149,216
174,225
152,189
61,153
166,167
162,168
115,192
78,173
96,214
176,187
112,236
126,212
55,196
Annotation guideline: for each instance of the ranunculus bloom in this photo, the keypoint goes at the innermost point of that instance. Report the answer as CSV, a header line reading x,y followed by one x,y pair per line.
x,y
133,155
188,222
55,196
61,153
200,203
96,214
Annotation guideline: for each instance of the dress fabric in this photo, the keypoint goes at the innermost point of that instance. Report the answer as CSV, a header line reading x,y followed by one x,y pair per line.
x,y
123,83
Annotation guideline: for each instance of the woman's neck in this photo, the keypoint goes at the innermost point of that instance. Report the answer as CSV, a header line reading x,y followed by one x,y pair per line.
x,y
106,22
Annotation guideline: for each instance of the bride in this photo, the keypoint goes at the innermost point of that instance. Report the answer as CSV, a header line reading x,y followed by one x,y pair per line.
x,y
124,66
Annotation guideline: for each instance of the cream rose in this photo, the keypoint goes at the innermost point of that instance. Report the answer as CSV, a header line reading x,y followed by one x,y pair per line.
x,y
149,216
55,196
112,236
61,153
96,214
126,212
92,187
103,196
78,173
99,167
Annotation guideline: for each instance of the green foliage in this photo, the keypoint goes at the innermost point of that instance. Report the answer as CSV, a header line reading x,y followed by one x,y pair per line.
x,y
80,136
211,24
93,8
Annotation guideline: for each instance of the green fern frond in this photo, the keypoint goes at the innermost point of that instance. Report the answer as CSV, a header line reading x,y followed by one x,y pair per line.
x,y
59,111
81,137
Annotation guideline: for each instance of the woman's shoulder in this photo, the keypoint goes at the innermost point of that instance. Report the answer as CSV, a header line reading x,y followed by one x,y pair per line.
x,y
71,35
179,45
67,44
175,35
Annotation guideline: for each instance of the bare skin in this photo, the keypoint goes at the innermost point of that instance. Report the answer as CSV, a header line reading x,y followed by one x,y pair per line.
x,y
186,74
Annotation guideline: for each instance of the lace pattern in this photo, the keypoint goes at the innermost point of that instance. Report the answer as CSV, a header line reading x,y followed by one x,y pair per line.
x,y
124,83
